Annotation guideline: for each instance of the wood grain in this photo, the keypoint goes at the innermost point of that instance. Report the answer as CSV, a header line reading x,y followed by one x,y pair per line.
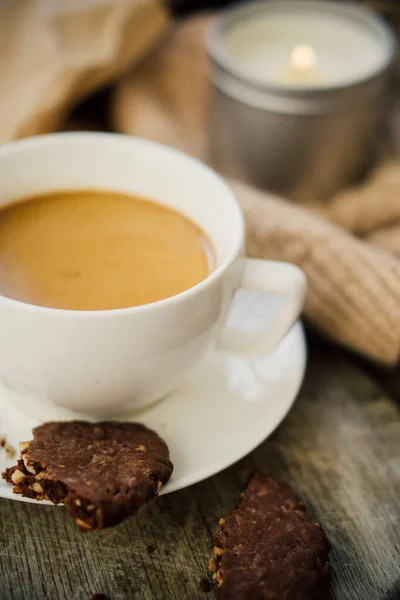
x,y
339,447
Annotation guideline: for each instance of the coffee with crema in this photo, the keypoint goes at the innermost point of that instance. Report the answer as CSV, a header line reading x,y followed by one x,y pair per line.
x,y
98,250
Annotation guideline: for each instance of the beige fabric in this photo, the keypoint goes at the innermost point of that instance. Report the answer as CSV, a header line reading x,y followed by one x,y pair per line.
x,y
166,98
54,52
374,205
354,287
387,239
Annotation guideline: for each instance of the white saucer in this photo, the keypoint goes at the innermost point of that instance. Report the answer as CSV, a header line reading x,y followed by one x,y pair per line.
x,y
227,407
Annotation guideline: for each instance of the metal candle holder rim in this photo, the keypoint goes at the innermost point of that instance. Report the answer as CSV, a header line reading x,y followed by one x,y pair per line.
x,y
234,81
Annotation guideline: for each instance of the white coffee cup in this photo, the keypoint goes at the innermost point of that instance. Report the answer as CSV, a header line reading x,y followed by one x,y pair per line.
x,y
106,362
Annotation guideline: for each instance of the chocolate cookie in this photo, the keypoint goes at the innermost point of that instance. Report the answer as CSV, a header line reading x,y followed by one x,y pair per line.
x,y
270,548
102,472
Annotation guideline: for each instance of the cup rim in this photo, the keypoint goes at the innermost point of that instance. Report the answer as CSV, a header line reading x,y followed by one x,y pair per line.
x,y
232,15
34,141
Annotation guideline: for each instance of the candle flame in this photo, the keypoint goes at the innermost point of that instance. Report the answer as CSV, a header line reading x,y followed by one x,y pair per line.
x,y
303,57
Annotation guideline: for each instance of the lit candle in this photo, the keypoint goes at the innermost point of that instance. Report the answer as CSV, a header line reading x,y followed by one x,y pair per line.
x,y
294,45
303,67
299,89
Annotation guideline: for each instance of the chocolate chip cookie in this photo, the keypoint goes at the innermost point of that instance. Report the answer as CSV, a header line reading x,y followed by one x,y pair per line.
x,y
269,548
102,472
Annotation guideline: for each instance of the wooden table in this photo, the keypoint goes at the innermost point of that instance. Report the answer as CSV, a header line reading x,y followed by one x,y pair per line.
x,y
339,447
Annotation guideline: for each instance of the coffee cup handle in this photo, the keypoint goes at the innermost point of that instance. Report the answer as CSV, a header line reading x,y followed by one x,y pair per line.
x,y
271,277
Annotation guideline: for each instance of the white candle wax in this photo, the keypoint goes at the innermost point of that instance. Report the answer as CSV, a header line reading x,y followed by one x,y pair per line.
x,y
304,48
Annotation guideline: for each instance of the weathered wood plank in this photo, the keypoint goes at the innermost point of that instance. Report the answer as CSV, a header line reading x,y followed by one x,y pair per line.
x,y
339,447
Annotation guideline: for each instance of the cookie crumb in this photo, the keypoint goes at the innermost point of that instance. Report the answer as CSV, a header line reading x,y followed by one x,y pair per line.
x,y
10,450
204,585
